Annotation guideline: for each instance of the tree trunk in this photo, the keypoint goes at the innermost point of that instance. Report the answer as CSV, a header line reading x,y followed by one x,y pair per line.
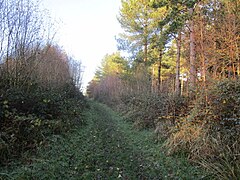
x,y
159,71
238,60
145,52
202,56
177,80
193,72
153,81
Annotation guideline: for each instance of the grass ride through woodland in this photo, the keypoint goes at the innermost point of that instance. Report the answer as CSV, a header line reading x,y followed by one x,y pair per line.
x,y
107,147
168,109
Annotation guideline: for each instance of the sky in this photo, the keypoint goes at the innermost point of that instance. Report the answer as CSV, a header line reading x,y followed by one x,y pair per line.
x,y
86,29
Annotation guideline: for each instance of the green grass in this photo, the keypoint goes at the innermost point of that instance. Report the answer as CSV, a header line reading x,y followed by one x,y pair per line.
x,y
106,148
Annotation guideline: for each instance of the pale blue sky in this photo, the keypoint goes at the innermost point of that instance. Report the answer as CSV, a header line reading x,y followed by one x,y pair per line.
x,y
87,30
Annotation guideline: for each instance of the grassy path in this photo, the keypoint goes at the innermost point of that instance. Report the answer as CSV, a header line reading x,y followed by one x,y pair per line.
x,y
107,148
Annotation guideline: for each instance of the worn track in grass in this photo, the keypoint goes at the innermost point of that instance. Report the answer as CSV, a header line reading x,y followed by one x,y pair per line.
x,y
106,148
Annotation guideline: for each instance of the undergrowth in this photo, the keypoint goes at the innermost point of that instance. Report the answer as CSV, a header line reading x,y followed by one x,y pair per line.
x,y
28,117
106,148
210,134
204,128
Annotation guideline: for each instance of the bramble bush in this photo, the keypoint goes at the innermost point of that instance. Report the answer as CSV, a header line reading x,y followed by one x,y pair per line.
x,y
28,117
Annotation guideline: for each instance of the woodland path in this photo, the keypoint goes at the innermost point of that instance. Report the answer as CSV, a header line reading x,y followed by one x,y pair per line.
x,y
106,148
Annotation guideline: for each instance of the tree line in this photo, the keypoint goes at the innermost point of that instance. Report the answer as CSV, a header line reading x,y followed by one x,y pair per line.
x,y
187,43
180,76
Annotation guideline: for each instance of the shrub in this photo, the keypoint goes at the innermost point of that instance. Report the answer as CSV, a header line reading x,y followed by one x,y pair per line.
x,y
150,110
224,102
210,134
28,117
191,139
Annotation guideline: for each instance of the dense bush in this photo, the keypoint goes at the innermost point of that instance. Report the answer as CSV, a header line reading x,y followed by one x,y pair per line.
x,y
43,103
224,102
210,134
148,110
39,84
27,117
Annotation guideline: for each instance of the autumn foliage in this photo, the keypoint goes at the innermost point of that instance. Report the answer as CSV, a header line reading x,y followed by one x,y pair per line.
x,y
181,77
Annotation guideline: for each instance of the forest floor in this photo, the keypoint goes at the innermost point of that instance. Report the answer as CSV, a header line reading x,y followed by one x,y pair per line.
x,y
106,148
